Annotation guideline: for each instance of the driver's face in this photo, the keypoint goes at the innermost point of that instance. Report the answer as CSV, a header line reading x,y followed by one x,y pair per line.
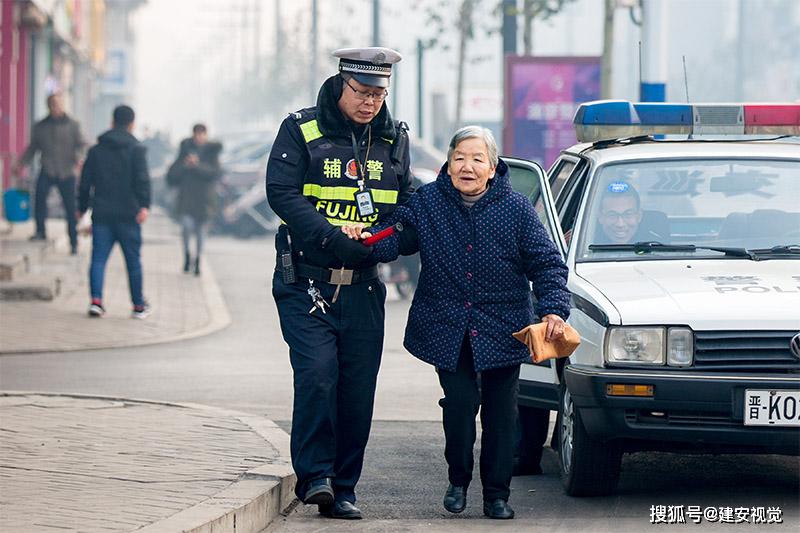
x,y
619,218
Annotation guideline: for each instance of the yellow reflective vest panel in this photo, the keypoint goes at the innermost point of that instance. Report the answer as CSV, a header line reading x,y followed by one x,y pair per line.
x,y
332,177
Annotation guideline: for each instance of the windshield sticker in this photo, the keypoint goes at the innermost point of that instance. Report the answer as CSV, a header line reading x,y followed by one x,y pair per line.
x,y
749,284
618,187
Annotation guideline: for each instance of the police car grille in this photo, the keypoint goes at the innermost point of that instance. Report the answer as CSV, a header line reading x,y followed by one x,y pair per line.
x,y
745,350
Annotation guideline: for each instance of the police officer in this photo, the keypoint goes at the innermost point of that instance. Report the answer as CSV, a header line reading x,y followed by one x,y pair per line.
x,y
343,161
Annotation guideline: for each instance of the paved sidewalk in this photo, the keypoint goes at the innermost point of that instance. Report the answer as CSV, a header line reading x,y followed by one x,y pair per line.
x,y
184,306
73,463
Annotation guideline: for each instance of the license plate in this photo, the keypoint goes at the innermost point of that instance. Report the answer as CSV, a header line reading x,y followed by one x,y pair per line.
x,y
772,407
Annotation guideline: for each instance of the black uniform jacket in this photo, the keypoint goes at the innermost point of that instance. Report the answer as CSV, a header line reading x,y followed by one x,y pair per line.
x,y
311,174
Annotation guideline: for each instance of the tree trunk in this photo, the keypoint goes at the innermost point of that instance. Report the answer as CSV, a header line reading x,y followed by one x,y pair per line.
x,y
527,34
608,50
464,34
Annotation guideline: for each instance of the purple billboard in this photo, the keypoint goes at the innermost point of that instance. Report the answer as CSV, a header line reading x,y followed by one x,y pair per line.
x,y
541,96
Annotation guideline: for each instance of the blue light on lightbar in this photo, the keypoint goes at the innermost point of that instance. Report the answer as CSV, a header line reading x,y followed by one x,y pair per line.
x,y
664,114
610,112
616,119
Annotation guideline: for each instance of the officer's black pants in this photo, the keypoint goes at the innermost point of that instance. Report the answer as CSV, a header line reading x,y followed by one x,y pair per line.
x,y
335,358
497,399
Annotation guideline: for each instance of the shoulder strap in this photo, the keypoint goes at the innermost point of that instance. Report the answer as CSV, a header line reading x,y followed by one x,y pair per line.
x,y
306,120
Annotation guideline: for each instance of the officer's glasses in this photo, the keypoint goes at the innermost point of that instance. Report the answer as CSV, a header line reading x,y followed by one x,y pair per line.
x,y
363,96
628,216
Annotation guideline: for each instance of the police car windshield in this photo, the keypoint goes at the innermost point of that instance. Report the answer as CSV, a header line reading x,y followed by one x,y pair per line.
x,y
707,208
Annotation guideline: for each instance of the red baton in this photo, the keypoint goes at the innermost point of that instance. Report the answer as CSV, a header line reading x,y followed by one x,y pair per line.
x,y
369,241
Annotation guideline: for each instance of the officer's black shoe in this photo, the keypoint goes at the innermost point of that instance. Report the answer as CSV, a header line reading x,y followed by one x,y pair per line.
x,y
498,509
455,499
319,492
341,509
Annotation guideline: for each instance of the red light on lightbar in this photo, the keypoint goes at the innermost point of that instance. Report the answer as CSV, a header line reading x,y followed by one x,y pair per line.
x,y
779,119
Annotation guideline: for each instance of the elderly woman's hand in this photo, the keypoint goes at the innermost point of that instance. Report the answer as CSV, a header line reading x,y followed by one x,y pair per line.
x,y
356,231
555,327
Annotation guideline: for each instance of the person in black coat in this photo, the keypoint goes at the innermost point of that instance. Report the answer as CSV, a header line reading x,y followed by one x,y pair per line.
x,y
481,245
195,173
115,183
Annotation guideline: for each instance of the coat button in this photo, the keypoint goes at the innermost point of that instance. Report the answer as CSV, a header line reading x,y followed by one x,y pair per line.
x,y
284,155
467,305
469,247
369,288
469,275
474,332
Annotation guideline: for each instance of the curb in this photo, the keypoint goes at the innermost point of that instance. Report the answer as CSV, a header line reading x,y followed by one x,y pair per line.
x,y
247,505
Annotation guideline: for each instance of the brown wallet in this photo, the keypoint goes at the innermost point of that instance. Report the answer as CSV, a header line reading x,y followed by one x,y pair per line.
x,y
533,337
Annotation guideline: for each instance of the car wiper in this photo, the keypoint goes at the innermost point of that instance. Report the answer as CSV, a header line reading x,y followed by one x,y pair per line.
x,y
655,246
781,249
643,246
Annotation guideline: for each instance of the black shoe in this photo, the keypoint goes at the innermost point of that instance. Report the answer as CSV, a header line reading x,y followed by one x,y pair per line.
x,y
197,267
187,263
498,509
73,250
319,492
341,509
455,499
37,237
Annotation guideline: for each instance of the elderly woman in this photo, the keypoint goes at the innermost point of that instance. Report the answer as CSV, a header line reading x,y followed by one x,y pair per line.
x,y
480,244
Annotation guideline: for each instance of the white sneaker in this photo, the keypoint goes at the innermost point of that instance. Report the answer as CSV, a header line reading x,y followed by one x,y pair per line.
x,y
96,310
142,313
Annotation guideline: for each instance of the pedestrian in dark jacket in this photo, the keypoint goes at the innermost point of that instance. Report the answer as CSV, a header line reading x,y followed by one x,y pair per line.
x,y
195,173
480,245
59,141
115,183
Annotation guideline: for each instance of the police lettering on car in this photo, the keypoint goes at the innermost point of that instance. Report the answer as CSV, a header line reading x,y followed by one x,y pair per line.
x,y
343,161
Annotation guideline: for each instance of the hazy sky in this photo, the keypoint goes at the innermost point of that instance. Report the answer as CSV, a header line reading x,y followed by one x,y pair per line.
x,y
188,48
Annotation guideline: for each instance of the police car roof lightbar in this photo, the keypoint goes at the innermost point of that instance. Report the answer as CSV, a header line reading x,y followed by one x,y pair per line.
x,y
615,119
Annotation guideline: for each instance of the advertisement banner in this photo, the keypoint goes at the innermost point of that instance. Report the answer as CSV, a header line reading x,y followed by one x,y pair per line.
x,y
541,96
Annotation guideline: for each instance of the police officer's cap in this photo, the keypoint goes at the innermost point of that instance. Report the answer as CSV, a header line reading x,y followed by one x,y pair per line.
x,y
370,66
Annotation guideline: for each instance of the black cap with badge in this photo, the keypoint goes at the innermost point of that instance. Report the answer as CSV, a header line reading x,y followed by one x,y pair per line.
x,y
370,66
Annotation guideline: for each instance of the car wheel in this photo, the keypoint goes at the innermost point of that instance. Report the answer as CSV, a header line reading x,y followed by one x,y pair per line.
x,y
589,467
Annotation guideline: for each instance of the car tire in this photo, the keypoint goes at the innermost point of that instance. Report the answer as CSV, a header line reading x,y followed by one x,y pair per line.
x,y
589,467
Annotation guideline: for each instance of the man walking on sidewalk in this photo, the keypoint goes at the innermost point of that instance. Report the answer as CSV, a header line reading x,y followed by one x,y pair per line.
x,y
115,183
195,173
58,139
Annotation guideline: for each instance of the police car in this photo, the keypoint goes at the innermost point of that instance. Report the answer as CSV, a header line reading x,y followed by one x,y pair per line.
x,y
684,257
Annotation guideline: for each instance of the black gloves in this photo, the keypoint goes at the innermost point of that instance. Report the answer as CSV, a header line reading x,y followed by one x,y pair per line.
x,y
350,252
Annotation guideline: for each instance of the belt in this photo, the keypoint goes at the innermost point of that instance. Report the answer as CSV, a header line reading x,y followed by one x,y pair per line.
x,y
337,276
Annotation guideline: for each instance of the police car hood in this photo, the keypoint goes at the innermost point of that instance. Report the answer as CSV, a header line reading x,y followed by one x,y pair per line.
x,y
703,294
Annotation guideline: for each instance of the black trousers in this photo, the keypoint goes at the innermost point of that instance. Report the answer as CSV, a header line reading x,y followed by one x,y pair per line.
x,y
335,358
497,400
66,187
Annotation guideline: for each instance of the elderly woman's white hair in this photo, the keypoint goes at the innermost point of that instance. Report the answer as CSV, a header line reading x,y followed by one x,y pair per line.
x,y
475,132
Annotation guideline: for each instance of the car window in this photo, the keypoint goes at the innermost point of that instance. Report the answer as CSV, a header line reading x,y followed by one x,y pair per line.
x,y
742,203
559,175
526,182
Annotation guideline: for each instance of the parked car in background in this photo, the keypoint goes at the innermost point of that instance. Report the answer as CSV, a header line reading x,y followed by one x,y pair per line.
x,y
684,259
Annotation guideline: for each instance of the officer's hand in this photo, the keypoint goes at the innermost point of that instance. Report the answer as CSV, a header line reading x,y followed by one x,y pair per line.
x,y
355,231
347,250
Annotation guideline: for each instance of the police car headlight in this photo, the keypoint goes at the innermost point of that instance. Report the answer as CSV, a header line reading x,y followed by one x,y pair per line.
x,y
680,347
632,345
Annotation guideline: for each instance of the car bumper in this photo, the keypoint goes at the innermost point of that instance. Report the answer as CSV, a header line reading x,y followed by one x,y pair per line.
x,y
688,410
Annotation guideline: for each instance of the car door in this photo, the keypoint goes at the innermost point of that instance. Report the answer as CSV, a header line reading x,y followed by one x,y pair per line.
x,y
538,382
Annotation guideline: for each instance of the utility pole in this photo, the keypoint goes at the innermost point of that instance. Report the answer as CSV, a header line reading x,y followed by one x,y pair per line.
x,y
420,85
509,27
376,22
608,50
312,78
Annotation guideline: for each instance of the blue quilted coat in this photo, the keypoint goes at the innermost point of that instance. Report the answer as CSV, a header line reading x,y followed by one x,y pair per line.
x,y
476,264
